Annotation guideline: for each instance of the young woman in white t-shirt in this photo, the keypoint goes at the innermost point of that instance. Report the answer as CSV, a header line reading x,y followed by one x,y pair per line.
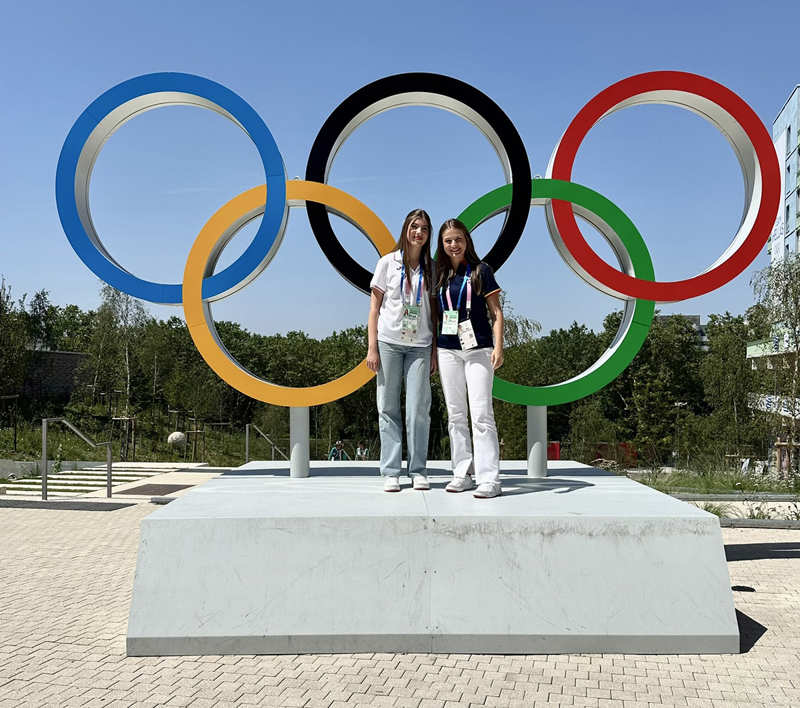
x,y
400,340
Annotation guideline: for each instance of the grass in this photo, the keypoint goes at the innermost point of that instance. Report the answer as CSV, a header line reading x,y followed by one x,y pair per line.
x,y
223,448
760,511
721,510
717,482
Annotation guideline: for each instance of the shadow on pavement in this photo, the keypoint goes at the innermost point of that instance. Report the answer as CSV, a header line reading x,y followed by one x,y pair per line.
x,y
758,551
750,631
526,485
63,505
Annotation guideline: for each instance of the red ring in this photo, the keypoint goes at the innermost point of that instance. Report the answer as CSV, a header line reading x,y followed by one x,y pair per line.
x,y
668,291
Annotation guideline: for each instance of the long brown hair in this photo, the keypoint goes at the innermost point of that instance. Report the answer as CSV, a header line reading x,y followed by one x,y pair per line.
x,y
444,268
425,253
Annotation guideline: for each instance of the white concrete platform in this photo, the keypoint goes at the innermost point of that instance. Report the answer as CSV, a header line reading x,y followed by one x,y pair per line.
x,y
584,561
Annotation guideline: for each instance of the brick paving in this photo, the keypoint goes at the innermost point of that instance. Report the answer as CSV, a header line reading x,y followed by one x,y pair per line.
x,y
65,586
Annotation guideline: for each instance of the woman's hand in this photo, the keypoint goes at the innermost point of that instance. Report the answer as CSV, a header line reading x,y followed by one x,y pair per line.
x,y
493,301
497,358
373,359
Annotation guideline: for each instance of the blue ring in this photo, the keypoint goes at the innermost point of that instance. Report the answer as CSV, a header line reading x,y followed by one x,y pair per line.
x,y
275,173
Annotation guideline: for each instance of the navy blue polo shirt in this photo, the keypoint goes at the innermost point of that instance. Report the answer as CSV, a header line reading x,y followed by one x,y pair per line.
x,y
479,315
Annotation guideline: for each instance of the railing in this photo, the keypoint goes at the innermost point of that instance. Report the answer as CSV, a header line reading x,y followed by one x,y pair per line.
x,y
83,437
266,437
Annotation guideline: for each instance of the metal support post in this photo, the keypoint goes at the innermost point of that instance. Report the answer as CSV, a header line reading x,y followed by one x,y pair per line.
x,y
537,441
44,458
298,442
247,443
108,470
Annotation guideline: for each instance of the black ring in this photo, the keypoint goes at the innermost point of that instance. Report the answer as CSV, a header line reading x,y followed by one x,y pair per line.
x,y
328,138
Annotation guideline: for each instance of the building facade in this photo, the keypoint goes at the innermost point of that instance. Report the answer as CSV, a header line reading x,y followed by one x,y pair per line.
x,y
785,128
783,242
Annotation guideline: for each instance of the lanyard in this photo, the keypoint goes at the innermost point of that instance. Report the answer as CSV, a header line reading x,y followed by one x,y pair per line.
x,y
466,282
403,284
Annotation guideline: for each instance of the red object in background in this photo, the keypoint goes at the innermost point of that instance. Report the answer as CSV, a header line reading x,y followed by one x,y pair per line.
x,y
554,451
628,453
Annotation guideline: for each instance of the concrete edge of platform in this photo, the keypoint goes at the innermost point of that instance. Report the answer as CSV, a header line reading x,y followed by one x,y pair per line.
x,y
735,522
756,497
433,644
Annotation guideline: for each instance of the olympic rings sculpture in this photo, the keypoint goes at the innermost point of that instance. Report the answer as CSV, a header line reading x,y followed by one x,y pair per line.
x,y
634,282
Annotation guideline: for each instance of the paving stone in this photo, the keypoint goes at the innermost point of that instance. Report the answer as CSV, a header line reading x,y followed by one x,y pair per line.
x,y
64,645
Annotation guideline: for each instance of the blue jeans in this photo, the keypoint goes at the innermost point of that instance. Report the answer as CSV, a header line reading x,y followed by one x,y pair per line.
x,y
411,365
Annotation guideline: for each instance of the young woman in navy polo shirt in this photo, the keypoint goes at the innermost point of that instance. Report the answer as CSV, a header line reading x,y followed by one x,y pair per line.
x,y
470,348
400,341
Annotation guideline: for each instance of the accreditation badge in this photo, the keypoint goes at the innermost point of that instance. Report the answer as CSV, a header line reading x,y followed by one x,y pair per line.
x,y
450,322
410,323
466,335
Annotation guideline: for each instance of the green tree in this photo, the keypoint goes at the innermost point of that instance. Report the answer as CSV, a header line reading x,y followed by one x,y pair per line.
x,y
728,380
757,322
14,343
661,384
42,320
591,433
73,329
128,316
777,290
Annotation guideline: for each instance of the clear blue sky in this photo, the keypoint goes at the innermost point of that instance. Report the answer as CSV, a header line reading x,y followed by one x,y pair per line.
x,y
164,173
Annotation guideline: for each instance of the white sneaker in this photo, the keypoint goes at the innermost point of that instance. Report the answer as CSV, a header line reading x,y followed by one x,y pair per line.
x,y
391,484
420,482
487,491
460,484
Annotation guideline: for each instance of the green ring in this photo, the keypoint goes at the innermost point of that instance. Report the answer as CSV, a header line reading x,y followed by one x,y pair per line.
x,y
622,354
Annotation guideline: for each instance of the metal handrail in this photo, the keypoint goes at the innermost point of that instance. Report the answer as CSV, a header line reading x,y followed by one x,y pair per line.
x,y
266,437
83,437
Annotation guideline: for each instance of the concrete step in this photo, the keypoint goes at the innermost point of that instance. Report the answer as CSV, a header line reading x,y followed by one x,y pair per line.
x,y
121,470
84,482
94,477
82,479
71,484
37,493
74,483
57,485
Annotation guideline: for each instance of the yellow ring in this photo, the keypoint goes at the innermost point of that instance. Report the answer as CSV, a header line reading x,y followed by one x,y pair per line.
x,y
198,315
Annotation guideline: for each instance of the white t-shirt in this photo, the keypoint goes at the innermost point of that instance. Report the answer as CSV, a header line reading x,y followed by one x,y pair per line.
x,y
390,318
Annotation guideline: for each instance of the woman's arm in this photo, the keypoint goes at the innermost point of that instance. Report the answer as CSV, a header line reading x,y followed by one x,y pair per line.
x,y
493,302
434,329
375,302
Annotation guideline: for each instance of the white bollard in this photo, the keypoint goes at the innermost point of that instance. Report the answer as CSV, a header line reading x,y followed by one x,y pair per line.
x,y
298,442
537,441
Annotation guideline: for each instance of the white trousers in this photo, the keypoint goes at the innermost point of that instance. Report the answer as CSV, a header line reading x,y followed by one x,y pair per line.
x,y
469,374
